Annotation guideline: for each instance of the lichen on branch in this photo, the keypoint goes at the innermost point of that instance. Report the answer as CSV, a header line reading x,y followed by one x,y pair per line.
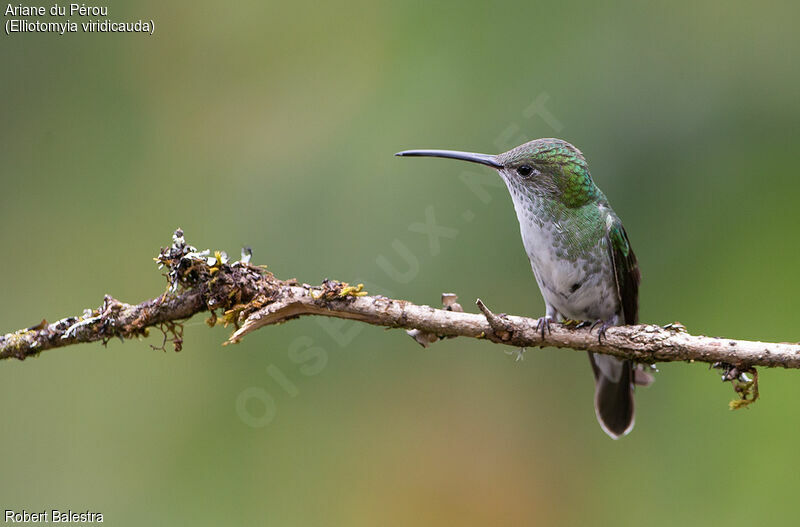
x,y
249,297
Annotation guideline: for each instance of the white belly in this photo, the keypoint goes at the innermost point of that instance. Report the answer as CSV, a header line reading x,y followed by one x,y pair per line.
x,y
579,288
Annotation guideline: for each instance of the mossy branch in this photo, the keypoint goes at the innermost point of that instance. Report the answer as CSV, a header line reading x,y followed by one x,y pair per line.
x,y
250,297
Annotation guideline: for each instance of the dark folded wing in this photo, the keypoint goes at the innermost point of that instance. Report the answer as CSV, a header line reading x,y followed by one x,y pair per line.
x,y
626,270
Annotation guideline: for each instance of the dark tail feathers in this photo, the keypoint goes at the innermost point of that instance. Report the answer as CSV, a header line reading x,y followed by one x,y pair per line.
x,y
613,394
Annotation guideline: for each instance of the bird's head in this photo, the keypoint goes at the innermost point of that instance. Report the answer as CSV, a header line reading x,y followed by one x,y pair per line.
x,y
548,167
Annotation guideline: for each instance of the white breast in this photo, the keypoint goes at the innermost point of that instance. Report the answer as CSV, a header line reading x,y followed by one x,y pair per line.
x,y
582,288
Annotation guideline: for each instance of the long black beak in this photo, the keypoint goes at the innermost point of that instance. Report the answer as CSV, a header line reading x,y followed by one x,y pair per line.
x,y
483,159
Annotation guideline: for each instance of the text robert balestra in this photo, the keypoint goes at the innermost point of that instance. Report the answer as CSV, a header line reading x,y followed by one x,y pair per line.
x,y
52,516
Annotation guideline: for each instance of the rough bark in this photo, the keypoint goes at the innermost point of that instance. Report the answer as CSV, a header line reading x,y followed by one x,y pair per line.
x,y
250,298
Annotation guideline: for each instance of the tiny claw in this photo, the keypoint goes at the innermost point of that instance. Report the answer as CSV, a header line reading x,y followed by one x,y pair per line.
x,y
543,325
603,327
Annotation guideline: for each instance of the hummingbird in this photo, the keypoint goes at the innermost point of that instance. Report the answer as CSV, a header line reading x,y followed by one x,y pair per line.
x,y
580,255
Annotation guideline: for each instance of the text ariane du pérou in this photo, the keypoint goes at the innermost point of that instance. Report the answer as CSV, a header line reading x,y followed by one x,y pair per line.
x,y
52,516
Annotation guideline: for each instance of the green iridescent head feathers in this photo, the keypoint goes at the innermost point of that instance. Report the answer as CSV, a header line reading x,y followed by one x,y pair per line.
x,y
554,167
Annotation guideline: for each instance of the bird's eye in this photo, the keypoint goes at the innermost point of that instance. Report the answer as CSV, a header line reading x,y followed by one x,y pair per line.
x,y
525,170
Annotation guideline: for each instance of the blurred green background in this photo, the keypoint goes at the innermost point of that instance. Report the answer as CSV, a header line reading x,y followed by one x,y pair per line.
x,y
273,125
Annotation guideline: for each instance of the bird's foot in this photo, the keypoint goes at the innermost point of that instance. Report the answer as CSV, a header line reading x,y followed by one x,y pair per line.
x,y
543,324
604,325
517,354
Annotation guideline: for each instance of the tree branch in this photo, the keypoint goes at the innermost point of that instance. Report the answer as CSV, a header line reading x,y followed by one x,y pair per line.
x,y
251,297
